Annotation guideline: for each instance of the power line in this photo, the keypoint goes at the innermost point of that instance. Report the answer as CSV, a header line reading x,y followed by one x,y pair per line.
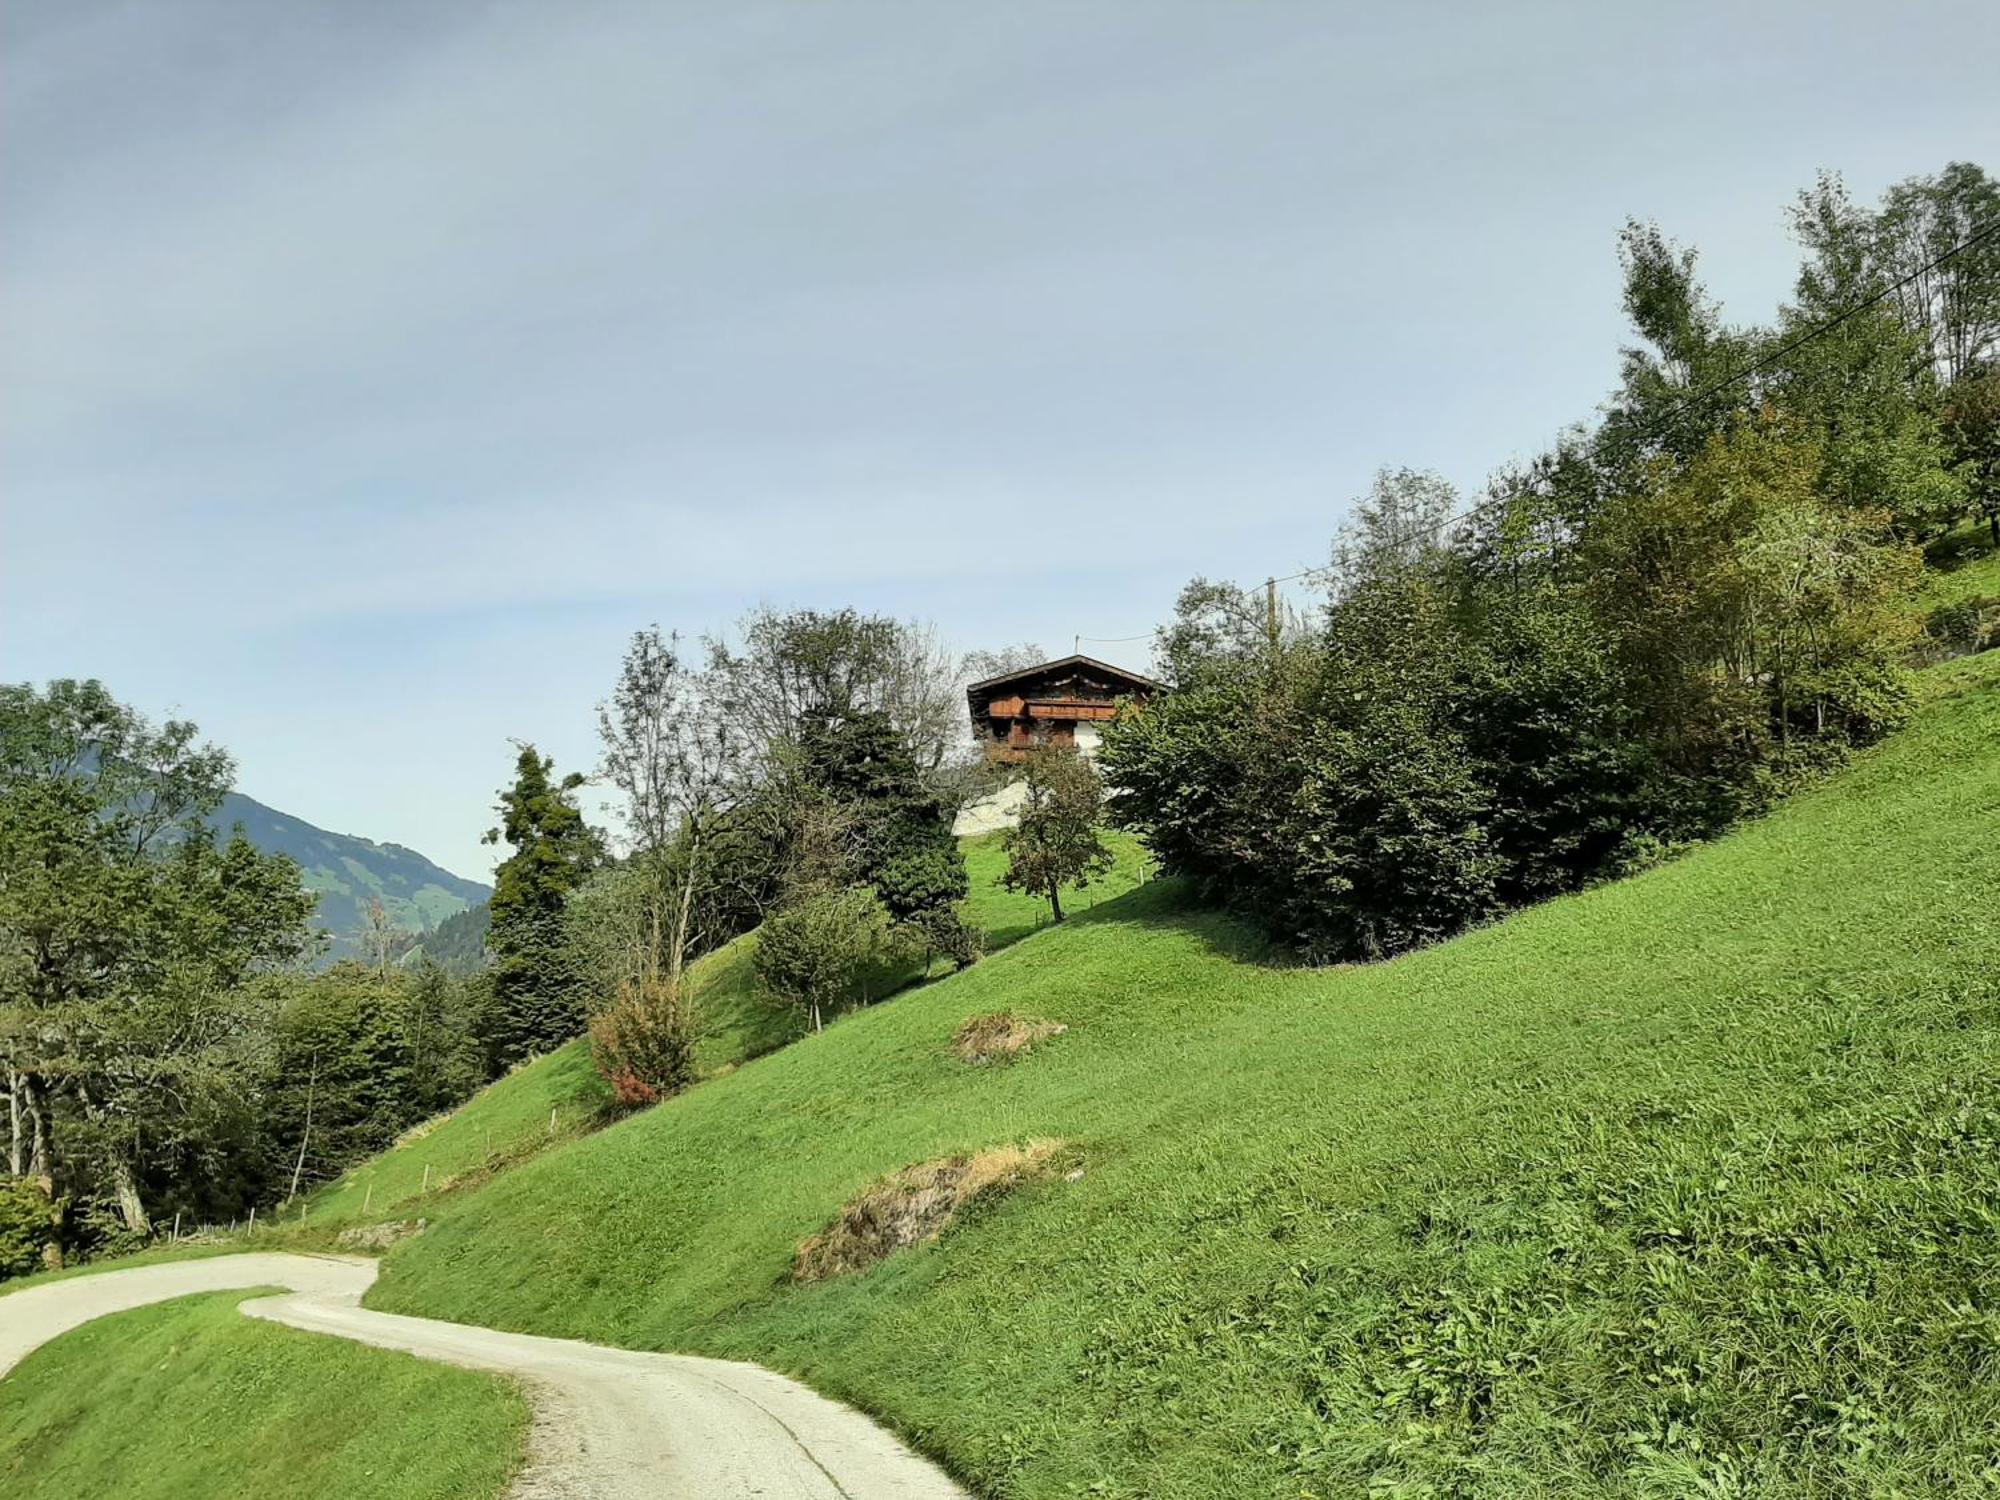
x,y
1712,388
1107,640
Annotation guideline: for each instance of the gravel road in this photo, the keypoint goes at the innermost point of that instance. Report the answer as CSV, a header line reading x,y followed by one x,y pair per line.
x,y
609,1424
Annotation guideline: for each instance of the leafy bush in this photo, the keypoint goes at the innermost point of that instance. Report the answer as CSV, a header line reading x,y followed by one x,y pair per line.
x,y
1056,842
1482,723
24,1226
814,952
643,1042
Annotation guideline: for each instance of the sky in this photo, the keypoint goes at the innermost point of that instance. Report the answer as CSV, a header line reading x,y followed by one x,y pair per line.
x,y
369,373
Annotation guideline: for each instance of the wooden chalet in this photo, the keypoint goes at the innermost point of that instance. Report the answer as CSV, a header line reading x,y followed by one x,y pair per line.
x,y
1059,702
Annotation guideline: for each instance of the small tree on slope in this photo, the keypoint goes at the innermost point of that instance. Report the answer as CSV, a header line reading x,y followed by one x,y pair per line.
x,y
1056,843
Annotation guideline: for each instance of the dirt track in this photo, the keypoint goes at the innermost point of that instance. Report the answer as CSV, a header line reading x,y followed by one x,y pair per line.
x,y
610,1424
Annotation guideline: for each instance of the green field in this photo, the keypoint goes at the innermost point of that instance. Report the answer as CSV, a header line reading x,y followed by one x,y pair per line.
x,y
557,1097
192,1398
1688,1185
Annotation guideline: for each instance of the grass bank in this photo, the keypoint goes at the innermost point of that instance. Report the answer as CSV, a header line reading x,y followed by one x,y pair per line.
x,y
1963,565
192,1398
1685,1185
557,1097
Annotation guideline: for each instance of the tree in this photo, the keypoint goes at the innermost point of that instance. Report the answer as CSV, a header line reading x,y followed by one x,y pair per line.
x,y
1861,385
1686,351
679,763
793,666
1218,629
1056,842
1742,599
534,1004
458,943
892,821
814,951
438,1024
340,1078
1952,303
381,939
128,933
674,753
1972,428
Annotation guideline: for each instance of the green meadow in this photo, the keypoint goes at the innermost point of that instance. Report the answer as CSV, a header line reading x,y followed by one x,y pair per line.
x,y
1684,1185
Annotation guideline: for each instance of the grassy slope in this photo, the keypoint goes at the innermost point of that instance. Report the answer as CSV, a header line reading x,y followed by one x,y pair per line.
x,y
1689,1184
1007,916
1964,565
501,1124
191,1398
511,1120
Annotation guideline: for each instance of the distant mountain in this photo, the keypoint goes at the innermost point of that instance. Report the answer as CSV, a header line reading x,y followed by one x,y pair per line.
x,y
347,873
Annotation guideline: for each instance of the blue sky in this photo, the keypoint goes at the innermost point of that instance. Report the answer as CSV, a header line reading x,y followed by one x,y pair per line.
x,y
368,373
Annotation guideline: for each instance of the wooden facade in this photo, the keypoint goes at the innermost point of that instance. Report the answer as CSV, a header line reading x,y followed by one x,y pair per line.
x,y
1049,703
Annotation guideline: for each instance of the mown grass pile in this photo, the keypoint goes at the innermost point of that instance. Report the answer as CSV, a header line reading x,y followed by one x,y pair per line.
x,y
914,1206
1683,1185
192,1398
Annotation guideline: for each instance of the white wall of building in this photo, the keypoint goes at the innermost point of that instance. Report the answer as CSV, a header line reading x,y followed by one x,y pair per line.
x,y
998,809
1002,808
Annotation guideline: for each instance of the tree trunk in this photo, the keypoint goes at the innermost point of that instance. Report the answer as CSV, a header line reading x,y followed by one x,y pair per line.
x,y
124,1177
40,1161
30,1117
305,1136
17,1119
131,1207
677,955
1055,902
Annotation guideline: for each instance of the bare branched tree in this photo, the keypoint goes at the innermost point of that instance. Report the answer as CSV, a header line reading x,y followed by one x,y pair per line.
x,y
790,665
381,938
672,751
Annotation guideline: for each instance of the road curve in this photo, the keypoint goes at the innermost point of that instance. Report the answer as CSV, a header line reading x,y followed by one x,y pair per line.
x,y
609,1424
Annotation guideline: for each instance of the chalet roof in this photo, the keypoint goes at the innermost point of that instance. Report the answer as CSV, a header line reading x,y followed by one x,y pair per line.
x,y
1116,678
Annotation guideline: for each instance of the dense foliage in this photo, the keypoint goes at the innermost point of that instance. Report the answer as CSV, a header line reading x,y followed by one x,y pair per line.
x,y
363,1055
458,943
783,777
1640,637
128,932
167,1055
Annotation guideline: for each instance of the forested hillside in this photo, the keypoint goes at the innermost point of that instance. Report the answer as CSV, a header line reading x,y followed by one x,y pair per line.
x,y
458,943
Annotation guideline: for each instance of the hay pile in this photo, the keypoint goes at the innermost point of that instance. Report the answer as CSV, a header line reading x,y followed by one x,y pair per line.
x,y
912,1207
1001,1037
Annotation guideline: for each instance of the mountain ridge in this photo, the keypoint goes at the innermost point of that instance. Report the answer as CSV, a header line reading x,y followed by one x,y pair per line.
x,y
347,872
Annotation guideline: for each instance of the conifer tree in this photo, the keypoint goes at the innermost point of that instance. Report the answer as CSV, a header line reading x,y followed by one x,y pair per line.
x,y
535,1003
